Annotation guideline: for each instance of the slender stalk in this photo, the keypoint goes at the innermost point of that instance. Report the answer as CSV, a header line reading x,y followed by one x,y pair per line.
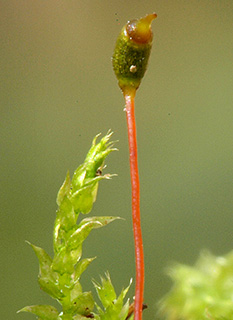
x,y
139,256
130,59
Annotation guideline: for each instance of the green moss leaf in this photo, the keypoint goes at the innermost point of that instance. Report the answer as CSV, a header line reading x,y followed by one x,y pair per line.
x,y
64,190
48,279
66,217
76,290
84,198
83,304
81,267
85,227
45,260
51,287
114,308
105,291
65,260
102,220
45,312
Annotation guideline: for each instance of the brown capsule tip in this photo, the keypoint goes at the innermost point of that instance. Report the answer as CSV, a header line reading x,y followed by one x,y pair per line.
x,y
140,30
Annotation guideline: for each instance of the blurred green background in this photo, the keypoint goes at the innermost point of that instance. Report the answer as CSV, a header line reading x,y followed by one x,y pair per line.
x,y
58,91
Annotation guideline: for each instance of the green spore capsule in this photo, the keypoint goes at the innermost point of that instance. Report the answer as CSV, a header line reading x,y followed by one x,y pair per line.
x,y
132,51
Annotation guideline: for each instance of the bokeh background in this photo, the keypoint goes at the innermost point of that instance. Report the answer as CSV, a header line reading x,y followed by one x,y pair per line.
x,y
58,91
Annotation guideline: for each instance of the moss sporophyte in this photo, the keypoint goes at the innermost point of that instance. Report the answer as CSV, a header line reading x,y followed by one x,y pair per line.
x,y
130,61
60,276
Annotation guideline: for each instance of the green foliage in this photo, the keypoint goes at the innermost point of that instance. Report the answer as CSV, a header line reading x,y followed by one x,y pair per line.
x,y
114,308
203,292
59,276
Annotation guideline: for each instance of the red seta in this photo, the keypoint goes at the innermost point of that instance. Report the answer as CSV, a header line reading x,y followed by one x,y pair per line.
x,y
133,155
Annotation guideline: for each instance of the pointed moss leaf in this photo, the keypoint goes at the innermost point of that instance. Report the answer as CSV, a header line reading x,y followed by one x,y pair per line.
x,y
119,307
84,198
76,290
65,260
78,179
64,223
125,291
91,181
66,215
105,291
47,278
103,220
45,312
59,236
81,267
51,287
119,310
83,304
79,235
124,311
45,260
85,227
64,190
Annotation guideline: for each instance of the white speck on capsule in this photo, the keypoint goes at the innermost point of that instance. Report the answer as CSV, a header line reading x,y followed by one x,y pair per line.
x,y
133,69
